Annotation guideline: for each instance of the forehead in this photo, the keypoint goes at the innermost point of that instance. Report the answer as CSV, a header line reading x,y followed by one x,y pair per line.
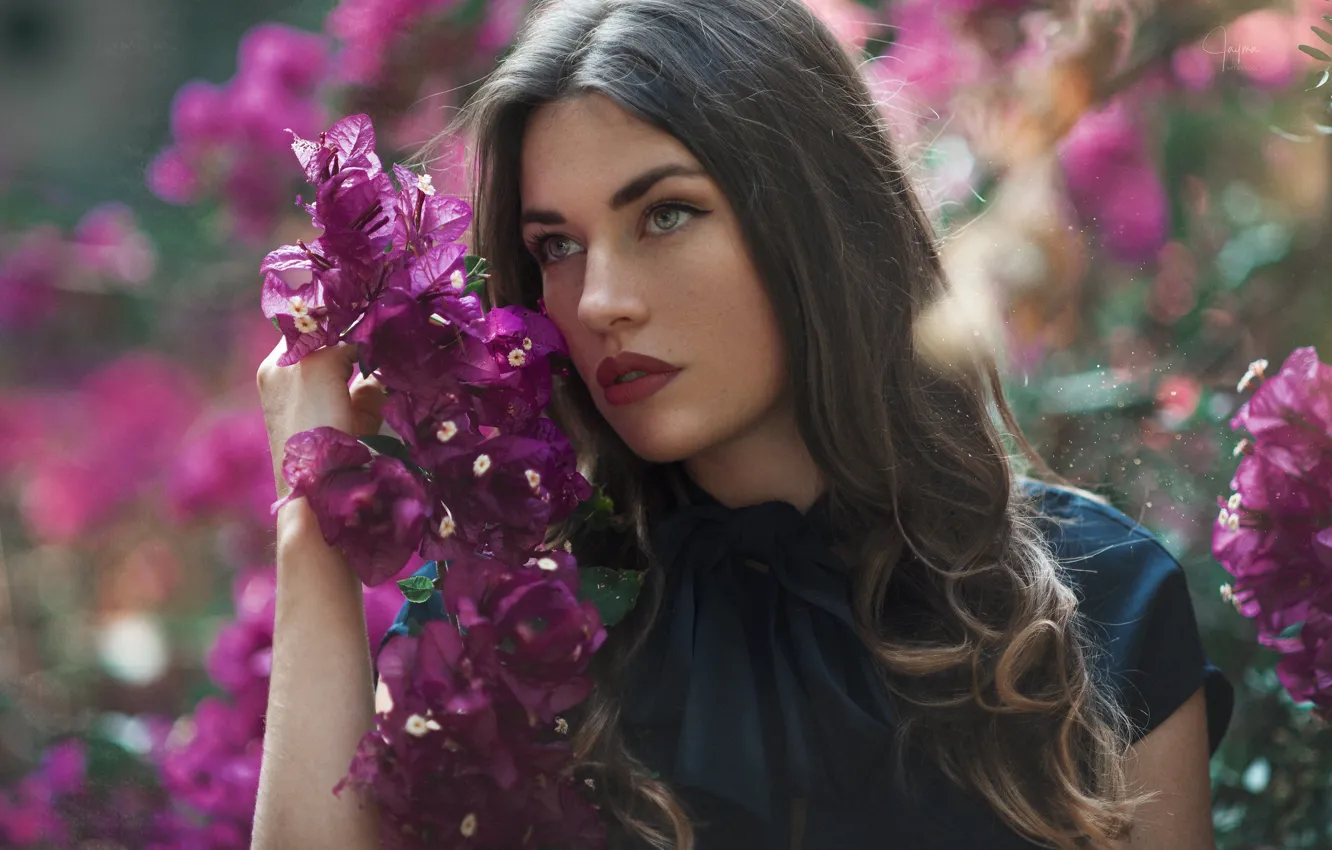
x,y
589,145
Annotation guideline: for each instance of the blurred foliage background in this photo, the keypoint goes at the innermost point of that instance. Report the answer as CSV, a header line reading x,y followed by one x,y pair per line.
x,y
1132,198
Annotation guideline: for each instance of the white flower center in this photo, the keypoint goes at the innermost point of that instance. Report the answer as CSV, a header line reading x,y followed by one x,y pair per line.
x,y
458,279
468,826
533,479
447,526
548,564
447,431
561,726
306,325
1234,502
425,184
517,357
527,343
480,465
298,306
416,726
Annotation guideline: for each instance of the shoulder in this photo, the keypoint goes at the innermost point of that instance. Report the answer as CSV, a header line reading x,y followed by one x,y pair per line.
x,y
1134,600
1114,563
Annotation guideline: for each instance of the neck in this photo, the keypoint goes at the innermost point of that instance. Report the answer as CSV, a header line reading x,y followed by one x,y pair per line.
x,y
768,463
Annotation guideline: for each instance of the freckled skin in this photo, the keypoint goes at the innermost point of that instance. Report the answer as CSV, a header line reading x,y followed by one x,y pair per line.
x,y
674,285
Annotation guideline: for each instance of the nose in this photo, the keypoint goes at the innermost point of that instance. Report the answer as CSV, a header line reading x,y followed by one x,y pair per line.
x,y
612,295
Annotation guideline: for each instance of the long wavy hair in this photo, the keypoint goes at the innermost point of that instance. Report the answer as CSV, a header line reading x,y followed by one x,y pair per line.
x,y
992,677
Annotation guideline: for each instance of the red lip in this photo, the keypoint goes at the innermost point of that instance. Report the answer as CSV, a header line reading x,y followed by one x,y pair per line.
x,y
629,361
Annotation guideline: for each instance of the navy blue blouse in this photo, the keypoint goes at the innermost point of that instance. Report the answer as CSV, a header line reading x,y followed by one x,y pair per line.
x,y
757,701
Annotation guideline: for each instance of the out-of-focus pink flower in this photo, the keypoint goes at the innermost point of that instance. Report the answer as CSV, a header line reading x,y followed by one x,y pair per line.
x,y
233,137
107,241
927,62
223,466
851,22
173,179
503,18
1177,398
368,30
29,275
1113,182
113,438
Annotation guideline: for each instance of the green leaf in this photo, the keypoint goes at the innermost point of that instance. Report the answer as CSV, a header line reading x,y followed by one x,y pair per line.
x,y
386,445
597,511
474,264
416,588
474,286
1316,53
1323,34
275,323
614,592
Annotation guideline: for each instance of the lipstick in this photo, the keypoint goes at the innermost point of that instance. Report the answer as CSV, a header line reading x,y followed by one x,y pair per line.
x,y
646,376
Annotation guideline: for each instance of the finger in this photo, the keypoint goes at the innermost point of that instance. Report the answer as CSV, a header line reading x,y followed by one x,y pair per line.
x,y
368,393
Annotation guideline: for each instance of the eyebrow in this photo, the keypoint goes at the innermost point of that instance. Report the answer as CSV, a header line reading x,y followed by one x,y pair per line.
x,y
627,194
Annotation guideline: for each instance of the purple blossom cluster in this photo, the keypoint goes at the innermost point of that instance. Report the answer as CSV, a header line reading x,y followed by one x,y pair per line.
x,y
1274,533
231,138
61,804
474,478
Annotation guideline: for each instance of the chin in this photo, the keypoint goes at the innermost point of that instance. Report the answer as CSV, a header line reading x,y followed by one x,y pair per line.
x,y
660,438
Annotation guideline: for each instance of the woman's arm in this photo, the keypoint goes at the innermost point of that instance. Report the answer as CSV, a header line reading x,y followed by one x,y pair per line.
x,y
1172,760
320,701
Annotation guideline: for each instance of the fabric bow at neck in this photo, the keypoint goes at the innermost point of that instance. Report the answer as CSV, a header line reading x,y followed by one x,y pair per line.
x,y
754,686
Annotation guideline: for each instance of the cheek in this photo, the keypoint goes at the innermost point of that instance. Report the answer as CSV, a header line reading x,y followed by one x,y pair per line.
x,y
562,309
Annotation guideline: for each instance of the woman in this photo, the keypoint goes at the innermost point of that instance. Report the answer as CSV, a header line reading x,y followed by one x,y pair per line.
x,y
860,626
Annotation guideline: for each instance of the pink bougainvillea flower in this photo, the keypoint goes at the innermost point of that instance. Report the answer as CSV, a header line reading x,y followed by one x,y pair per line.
x,y
377,514
1290,416
426,217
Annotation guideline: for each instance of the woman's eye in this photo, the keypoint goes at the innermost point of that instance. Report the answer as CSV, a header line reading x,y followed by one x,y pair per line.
x,y
670,216
664,218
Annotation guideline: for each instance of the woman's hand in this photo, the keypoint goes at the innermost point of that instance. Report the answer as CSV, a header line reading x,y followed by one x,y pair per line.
x,y
314,392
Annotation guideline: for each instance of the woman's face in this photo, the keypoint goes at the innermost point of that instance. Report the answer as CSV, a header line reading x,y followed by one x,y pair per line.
x,y
653,266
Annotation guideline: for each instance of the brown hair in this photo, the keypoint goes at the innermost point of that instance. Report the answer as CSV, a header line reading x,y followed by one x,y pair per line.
x,y
993,680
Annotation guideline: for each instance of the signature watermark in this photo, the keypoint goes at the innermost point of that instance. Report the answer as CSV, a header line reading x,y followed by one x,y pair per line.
x,y
1217,43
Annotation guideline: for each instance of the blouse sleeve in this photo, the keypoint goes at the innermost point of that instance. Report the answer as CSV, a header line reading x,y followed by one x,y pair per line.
x,y
413,615
1136,601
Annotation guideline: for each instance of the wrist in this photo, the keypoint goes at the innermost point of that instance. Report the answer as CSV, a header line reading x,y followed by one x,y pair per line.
x,y
297,524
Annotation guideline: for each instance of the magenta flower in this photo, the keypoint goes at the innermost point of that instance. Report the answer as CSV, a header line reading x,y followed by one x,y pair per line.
x,y
232,138
377,515
507,491
443,730
299,313
1274,533
108,242
426,218
1291,416
29,276
368,30
211,764
310,456
223,467
546,636
1114,184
